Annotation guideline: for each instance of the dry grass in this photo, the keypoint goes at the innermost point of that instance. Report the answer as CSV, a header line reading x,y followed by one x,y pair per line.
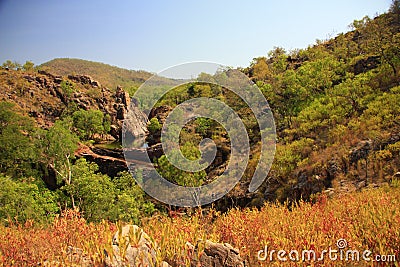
x,y
367,220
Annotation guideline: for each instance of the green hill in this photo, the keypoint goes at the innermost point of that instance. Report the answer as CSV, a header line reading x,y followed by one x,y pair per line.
x,y
107,75
336,107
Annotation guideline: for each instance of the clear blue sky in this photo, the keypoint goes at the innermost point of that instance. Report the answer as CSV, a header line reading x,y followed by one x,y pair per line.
x,y
153,35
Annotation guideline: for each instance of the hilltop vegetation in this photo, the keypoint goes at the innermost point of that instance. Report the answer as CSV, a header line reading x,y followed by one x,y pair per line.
x,y
109,76
336,106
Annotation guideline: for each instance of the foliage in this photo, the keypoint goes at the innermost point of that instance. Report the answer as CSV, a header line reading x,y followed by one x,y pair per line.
x,y
326,99
17,149
384,111
88,123
67,88
22,201
132,203
8,64
98,197
59,146
335,93
176,175
154,125
93,192
28,66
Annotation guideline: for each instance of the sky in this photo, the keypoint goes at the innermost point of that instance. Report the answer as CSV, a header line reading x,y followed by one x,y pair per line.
x,y
154,35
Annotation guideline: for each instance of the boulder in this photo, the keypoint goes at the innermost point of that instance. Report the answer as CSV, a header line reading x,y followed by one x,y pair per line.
x,y
215,255
135,123
395,178
122,97
84,79
131,246
361,151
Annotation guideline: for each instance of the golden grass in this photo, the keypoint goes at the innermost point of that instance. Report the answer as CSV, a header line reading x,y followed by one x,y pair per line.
x,y
366,220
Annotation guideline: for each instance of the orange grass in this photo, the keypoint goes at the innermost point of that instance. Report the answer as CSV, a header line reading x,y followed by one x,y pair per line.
x,y
367,220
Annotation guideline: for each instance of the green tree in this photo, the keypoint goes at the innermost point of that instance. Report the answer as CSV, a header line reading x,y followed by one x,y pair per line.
x,y
154,125
175,175
28,66
59,146
11,65
88,123
131,202
260,69
67,87
203,125
383,113
93,192
18,153
22,201
379,38
99,197
106,123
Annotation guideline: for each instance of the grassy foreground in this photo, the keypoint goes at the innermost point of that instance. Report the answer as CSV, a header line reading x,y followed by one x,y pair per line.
x,y
367,220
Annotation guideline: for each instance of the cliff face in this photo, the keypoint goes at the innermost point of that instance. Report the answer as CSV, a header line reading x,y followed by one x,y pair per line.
x,y
45,97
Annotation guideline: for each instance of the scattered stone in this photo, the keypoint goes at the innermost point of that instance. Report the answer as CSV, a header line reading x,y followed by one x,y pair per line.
x,y
329,192
84,79
361,184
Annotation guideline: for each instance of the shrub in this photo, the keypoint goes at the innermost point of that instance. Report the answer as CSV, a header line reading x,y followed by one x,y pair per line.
x,y
23,201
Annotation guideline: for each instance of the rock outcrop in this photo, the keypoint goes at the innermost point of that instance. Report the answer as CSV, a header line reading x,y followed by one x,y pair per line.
x,y
211,255
361,151
366,64
131,246
135,123
42,96
84,79
109,162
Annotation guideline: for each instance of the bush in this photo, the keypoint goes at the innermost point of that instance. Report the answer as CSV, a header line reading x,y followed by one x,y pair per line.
x,y
22,201
154,125
88,123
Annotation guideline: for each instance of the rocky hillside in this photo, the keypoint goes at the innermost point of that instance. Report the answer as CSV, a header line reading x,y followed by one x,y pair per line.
x,y
46,97
109,76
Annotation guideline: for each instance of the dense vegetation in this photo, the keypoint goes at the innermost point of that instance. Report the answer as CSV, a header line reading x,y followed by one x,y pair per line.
x,y
28,152
337,111
336,106
329,98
